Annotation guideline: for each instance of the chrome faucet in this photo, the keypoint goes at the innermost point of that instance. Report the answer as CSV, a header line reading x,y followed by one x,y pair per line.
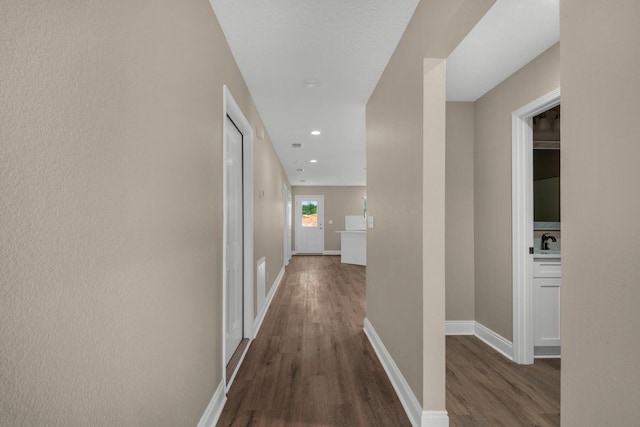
x,y
544,241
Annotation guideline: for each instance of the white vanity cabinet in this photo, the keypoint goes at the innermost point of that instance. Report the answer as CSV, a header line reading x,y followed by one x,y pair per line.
x,y
546,301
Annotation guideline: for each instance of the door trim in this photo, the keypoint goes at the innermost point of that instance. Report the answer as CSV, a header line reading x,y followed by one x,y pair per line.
x,y
522,222
230,108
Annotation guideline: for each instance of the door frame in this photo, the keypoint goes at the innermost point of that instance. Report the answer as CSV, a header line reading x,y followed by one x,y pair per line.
x,y
230,108
522,222
294,217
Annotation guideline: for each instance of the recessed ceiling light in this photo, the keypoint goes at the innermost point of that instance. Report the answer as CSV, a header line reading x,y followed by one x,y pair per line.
x,y
311,83
313,161
315,132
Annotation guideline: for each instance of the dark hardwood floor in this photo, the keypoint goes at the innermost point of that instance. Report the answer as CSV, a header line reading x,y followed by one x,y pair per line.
x,y
311,365
486,389
235,358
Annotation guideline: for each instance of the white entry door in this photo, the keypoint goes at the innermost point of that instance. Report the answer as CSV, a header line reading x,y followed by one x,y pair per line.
x,y
233,211
309,219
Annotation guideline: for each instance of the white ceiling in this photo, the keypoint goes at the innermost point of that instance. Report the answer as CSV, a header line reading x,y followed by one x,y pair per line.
x,y
345,45
508,36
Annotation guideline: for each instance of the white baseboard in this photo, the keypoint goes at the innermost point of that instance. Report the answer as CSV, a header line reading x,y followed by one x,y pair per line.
x,y
435,419
262,311
412,407
459,327
214,408
489,337
498,342
332,252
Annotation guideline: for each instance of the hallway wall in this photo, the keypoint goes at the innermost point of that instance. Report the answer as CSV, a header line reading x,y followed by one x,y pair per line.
x,y
111,189
600,187
268,203
395,277
492,186
460,282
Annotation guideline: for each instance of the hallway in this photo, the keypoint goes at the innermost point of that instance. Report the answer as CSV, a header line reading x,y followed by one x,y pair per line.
x,y
311,363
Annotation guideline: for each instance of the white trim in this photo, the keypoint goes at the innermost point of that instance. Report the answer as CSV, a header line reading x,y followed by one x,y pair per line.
x,y
459,327
489,337
548,356
410,403
230,108
214,408
522,222
262,311
332,252
494,340
435,419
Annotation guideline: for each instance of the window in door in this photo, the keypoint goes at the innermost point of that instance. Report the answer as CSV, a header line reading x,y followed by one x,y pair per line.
x,y
309,214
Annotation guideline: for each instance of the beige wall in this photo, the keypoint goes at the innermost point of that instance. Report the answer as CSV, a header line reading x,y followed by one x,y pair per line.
x,y
338,202
460,286
492,186
433,233
269,180
111,189
600,186
394,184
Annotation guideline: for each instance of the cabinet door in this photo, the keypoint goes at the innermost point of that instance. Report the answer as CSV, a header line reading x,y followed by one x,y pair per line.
x,y
546,306
547,268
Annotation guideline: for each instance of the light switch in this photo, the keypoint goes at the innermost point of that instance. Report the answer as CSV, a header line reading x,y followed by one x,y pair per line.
x,y
330,222
370,221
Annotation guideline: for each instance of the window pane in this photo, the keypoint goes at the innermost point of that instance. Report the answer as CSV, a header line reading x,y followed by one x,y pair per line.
x,y
309,214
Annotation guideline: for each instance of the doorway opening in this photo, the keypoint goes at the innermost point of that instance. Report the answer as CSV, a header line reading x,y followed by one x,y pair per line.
x,y
237,237
523,224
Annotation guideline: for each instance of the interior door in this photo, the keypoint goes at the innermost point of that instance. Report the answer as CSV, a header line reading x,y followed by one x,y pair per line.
x,y
309,218
234,239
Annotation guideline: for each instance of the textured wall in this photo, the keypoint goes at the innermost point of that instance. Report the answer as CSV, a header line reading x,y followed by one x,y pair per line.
x,y
600,58
110,163
492,186
394,183
460,285
338,202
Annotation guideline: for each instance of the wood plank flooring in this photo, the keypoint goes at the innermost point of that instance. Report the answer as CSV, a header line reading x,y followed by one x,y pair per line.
x,y
235,358
311,365
486,389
